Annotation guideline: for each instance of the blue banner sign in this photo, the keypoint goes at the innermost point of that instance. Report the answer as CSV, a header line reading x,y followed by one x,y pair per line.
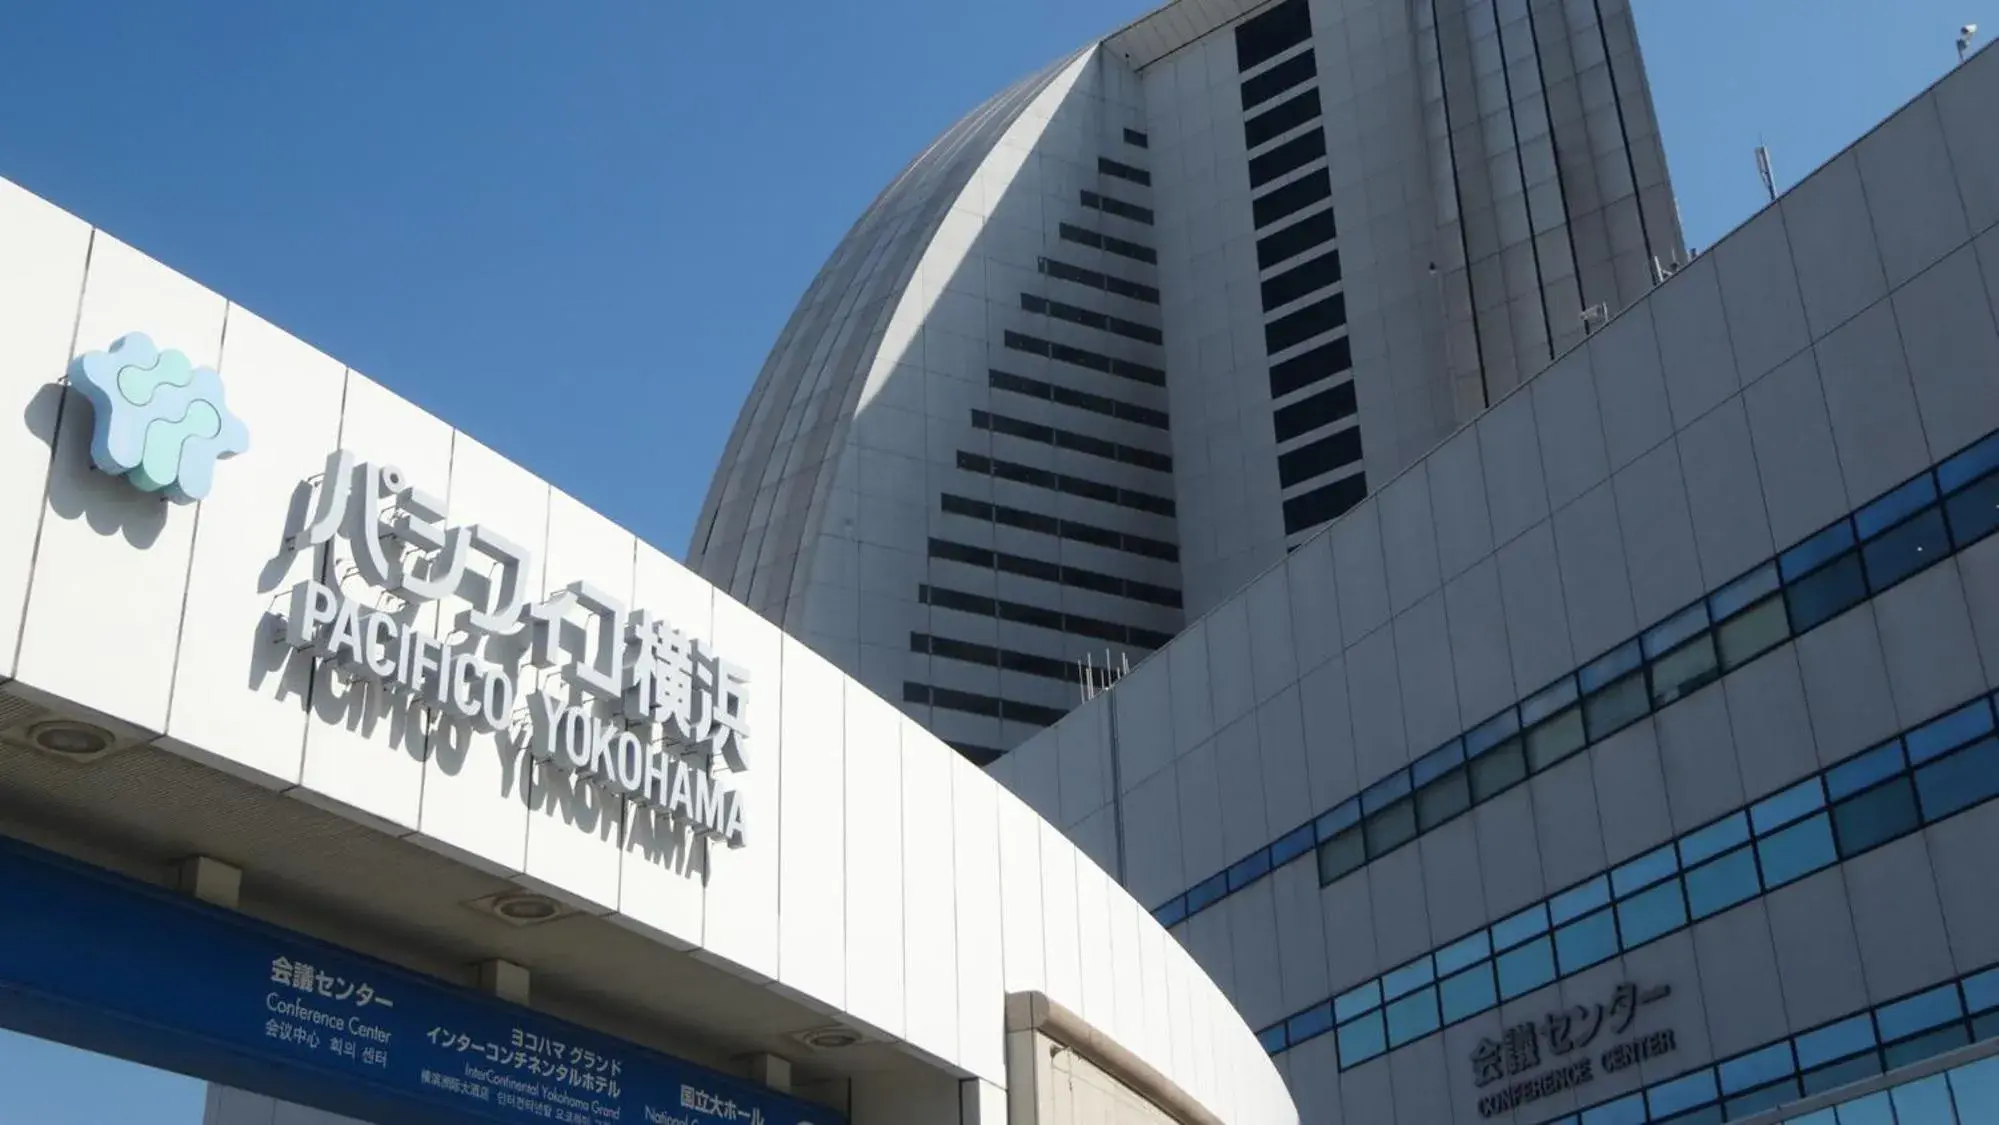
x,y
93,959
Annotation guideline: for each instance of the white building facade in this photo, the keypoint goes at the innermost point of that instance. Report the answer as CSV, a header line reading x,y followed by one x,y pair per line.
x,y
345,764
1141,323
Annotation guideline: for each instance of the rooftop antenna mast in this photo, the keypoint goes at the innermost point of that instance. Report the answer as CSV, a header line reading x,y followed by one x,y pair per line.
x,y
1964,37
1767,171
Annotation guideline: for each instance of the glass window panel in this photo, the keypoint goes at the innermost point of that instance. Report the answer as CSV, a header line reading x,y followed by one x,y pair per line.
x,y
1385,792
1745,1072
1918,1013
1339,819
1879,515
1548,700
1985,1026
1856,774
1937,736
1969,465
1927,1045
1249,870
1272,1039
1906,550
1171,914
1754,633
1716,886
1579,945
1623,1111
1412,1017
1354,1001
1361,1040
1390,828
1498,770
1926,1101
1616,707
1835,1041
1443,799
1555,739
1407,978
1959,781
1684,670
1644,871
1682,1093
1875,817
1207,892
1974,512
1874,1109
1743,592
1668,634
1796,851
1982,991
1313,1021
1786,1091
1714,839
1710,1115
1437,763
1341,855
1293,844
1824,595
1841,1073
1579,900
1807,556
1787,806
1610,666
1468,993
1525,969
1976,1089
1520,927
1645,916
1492,732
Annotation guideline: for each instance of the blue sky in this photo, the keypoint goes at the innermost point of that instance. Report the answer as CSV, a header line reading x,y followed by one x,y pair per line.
x,y
574,229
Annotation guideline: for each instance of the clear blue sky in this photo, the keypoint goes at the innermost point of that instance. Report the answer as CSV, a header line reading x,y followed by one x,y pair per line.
x,y
573,229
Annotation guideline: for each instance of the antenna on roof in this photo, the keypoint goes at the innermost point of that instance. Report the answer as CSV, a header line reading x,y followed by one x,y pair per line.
x,y
1765,170
1964,36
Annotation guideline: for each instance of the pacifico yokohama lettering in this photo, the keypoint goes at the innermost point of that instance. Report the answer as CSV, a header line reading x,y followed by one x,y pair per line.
x,y
675,707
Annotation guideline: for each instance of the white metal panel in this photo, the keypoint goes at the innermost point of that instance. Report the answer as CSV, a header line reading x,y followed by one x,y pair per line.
x,y
740,926
874,861
981,961
929,895
1025,959
1060,935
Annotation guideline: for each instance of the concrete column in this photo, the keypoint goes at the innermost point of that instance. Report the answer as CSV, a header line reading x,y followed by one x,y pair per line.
x,y
773,1071
210,880
505,980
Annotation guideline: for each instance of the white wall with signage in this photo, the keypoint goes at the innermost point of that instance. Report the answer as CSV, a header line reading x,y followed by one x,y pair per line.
x,y
374,613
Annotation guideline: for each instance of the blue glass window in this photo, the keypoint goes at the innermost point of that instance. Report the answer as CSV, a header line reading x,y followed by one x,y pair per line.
x,y
1773,1095
1924,1046
1644,871
1649,914
1684,670
1746,1072
1803,558
1492,732
1249,870
1408,978
1437,763
1293,844
1338,819
1412,1017
1616,707
1610,667
1920,1012
1825,594
1555,739
1341,855
1498,769
1526,968
1975,1086
1949,732
1468,993
1682,1093
1362,1039
1390,828
1464,951
1982,991
1720,884
1313,1021
1384,793
1442,799
1873,1109
1970,464
1835,1041
1906,550
1172,913
1926,1101
1792,803
1959,781
1207,892
1743,592
1667,635
1974,512
1840,1073
1623,1111
1750,634
1272,1039
1520,927
1587,942
1795,852
1714,839
1548,700
1891,509
1875,817
1354,1001
1856,774
1579,900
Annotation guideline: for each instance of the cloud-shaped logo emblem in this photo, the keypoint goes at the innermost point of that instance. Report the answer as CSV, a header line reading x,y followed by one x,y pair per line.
x,y
160,421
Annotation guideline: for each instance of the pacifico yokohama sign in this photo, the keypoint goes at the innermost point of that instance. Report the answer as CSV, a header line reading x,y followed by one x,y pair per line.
x,y
625,701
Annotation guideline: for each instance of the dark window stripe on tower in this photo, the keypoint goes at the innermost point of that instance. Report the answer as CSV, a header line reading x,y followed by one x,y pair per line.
x,y
1322,505
1083,357
1312,230
1300,280
1306,368
1102,241
1314,319
1069,439
1111,205
1063,271
1122,171
1266,36
1137,139
1291,72
1061,529
1281,118
1292,198
1090,318
1040,617
1287,157
1065,483
1064,396
1078,577
1322,409
1334,451
990,706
